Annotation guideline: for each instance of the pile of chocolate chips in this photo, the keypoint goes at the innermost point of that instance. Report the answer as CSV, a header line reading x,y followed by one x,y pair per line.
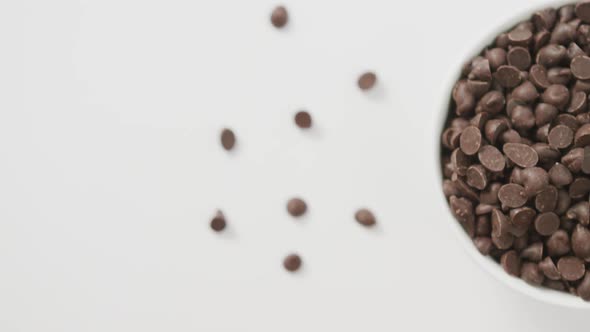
x,y
516,150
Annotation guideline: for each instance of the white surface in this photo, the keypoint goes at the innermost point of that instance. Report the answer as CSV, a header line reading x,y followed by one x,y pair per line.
x,y
111,168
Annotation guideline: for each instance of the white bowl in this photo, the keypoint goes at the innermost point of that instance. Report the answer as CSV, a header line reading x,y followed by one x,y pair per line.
x,y
542,294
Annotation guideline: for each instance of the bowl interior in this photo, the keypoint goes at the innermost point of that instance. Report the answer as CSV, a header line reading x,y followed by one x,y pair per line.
x,y
492,267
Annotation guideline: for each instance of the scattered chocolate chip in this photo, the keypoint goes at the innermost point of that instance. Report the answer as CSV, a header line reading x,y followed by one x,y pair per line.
x,y
303,119
511,263
491,158
228,139
279,17
296,207
583,289
549,269
367,218
292,262
218,222
571,268
367,80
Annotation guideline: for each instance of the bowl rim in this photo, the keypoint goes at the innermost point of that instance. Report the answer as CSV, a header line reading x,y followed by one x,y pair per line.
x,y
545,295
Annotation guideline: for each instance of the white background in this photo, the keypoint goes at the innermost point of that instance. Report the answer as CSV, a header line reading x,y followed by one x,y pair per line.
x,y
111,168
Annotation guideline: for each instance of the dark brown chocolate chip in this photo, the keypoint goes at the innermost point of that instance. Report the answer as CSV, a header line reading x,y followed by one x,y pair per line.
x,y
512,195
482,209
544,19
534,179
567,120
522,217
556,95
519,57
579,103
483,244
583,118
531,273
571,268
559,76
558,244
483,226
563,34
471,140
303,119
579,188
538,75
490,195
580,67
582,137
492,102
573,160
533,252
573,51
582,10
462,209
508,76
296,207
544,114
511,263
228,139
583,289
218,222
580,212
460,162
292,262
521,154
520,37
493,129
547,223
465,190
477,177
560,137
491,158
551,55
522,117
549,269
521,240
449,188
367,218
581,242
586,161
526,93
500,223
279,17
503,242
367,80
546,153
546,200
496,57
563,202
560,176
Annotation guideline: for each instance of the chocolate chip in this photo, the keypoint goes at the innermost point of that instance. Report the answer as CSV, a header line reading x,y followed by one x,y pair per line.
x,y
279,17
510,136
538,75
580,67
462,209
464,99
464,189
583,118
544,114
534,179
586,161
519,57
508,76
547,223
581,242
483,244
483,226
500,223
522,117
460,162
526,93
490,195
296,207
546,200
559,76
477,177
544,19
551,55
218,223
573,51
558,244
571,268
367,218
579,188
579,103
542,133
563,34
581,86
560,176
482,209
546,153
533,252
531,273
540,40
504,241
496,57
292,262
303,120
580,212
228,139
512,195
491,158
563,202
520,37
556,95
521,240
583,289
521,154
573,159
480,70
367,80
567,120
470,141
560,137
582,10
583,34
449,188
582,137
549,269
522,217
492,102
511,263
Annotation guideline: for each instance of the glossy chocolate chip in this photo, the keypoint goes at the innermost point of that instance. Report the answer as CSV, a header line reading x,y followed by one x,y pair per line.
x,y
551,55
573,160
500,223
534,179
571,268
477,177
522,217
496,57
519,57
526,93
492,102
503,242
556,95
538,76
460,162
